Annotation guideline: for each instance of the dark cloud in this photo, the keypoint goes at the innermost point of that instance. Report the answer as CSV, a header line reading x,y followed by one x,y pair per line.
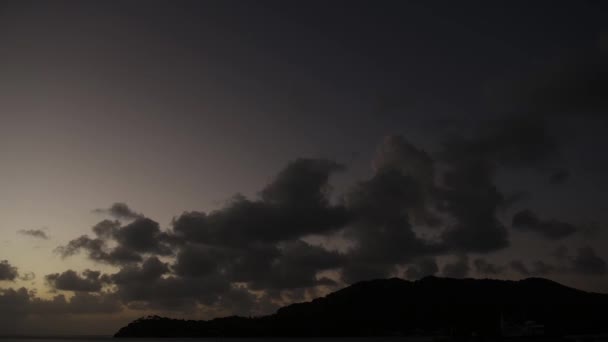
x,y
295,204
142,236
512,141
13,308
37,233
18,306
422,268
80,303
561,253
169,293
106,229
69,280
542,268
97,250
253,252
457,269
119,211
527,220
289,265
396,153
470,194
381,230
153,286
7,271
537,268
519,267
139,237
251,242
297,267
575,85
486,268
559,176
586,261
384,210
473,200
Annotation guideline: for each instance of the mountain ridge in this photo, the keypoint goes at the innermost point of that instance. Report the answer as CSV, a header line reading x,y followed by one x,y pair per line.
x,y
389,307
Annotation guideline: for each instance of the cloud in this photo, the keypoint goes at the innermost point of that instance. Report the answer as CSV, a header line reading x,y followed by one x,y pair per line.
x,y
527,220
576,85
584,262
422,268
7,271
381,231
396,153
263,251
139,237
18,307
69,280
519,267
296,203
486,268
119,211
97,250
29,276
469,193
385,208
143,287
559,176
37,233
588,262
142,236
106,229
572,85
249,241
458,269
538,268
542,268
297,266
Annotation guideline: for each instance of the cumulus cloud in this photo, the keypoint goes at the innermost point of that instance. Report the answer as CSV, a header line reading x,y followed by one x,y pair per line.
x,y
527,220
37,233
457,269
470,194
396,153
584,262
559,176
119,211
575,85
294,204
249,241
520,267
261,251
421,268
21,305
97,250
69,280
537,268
381,230
137,238
7,271
485,268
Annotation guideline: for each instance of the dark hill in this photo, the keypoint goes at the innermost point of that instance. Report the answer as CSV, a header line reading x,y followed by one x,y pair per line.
x,y
389,307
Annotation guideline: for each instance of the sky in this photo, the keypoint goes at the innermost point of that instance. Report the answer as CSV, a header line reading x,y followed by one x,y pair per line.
x,y
197,159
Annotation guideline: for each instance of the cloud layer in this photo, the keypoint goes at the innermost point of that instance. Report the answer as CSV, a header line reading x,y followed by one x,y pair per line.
x,y
298,239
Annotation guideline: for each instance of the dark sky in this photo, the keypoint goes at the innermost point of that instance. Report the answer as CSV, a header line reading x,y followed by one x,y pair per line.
x,y
205,158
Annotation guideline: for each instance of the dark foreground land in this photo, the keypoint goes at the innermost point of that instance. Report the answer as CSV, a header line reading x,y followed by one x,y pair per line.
x,y
530,309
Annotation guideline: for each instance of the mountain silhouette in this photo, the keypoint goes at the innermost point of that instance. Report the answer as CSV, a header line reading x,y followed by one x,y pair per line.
x,y
397,307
